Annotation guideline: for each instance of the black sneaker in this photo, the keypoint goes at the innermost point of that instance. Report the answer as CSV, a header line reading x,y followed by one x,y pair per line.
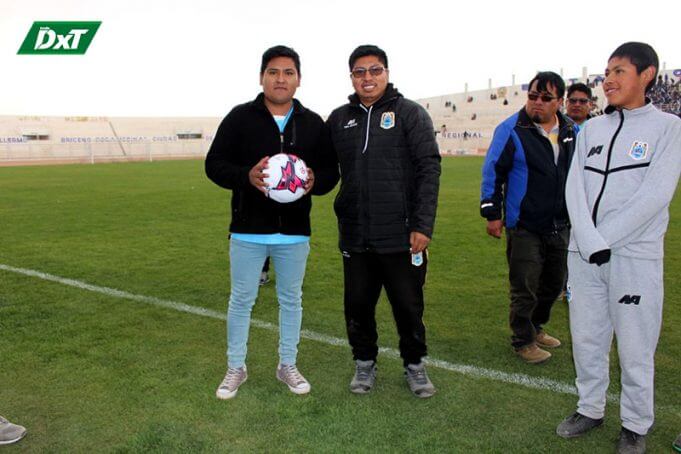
x,y
677,443
576,425
631,442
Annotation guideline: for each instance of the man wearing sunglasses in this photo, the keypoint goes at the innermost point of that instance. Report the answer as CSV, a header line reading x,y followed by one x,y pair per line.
x,y
390,170
579,103
523,179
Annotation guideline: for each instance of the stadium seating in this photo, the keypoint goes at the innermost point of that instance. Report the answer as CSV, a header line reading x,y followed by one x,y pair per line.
x,y
464,123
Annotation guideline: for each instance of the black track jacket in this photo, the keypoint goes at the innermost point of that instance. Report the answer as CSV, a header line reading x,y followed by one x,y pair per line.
x,y
390,173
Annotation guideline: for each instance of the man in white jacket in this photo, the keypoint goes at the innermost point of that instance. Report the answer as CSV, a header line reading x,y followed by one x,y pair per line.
x,y
622,178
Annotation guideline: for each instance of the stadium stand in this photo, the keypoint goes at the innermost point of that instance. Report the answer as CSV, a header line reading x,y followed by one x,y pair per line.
x,y
38,140
464,123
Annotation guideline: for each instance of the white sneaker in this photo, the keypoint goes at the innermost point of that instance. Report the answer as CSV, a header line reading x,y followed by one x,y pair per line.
x,y
234,377
10,433
295,381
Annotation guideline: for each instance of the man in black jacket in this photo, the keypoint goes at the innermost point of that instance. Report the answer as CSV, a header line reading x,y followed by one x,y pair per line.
x,y
525,172
390,169
260,227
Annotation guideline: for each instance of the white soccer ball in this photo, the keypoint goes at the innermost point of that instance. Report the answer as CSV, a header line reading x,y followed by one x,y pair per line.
x,y
287,174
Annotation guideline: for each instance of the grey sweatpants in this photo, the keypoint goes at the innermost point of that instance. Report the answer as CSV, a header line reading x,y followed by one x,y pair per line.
x,y
624,295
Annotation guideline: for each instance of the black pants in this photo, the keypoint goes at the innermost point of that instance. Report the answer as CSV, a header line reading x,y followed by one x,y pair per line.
x,y
537,267
365,275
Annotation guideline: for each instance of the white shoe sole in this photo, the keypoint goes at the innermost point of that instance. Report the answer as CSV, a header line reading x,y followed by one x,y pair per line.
x,y
298,391
228,395
14,440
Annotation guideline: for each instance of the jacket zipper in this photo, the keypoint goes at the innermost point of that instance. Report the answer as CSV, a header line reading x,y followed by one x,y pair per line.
x,y
364,183
366,141
607,168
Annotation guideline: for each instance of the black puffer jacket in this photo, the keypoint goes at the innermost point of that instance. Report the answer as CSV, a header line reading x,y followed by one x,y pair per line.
x,y
249,133
390,173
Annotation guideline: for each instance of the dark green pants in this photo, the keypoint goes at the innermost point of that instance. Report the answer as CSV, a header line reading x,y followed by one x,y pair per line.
x,y
537,265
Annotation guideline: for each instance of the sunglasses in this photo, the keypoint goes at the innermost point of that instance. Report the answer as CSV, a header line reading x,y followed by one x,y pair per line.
x,y
359,73
544,98
582,101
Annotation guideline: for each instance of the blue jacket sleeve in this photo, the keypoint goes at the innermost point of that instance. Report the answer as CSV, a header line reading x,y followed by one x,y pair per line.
x,y
498,163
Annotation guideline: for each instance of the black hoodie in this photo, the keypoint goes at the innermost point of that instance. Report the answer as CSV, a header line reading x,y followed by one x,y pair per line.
x,y
249,133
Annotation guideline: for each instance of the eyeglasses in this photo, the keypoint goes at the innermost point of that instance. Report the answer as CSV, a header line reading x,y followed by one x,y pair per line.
x,y
544,98
359,73
582,101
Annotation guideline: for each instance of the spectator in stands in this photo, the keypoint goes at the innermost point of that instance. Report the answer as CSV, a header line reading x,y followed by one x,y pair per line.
x,y
273,122
505,102
453,107
522,185
579,103
474,116
10,433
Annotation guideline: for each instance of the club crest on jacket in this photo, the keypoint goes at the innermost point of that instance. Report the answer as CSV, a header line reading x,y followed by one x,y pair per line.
x,y
639,150
388,120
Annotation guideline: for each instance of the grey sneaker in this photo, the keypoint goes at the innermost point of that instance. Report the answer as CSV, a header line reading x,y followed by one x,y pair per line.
x,y
264,278
631,442
418,380
234,378
10,433
576,425
364,378
295,381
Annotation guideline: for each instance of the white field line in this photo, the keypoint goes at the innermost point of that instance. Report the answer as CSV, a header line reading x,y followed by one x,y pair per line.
x,y
527,381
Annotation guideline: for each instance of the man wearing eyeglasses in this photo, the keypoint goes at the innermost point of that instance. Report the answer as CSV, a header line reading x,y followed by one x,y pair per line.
x,y
579,103
523,179
390,170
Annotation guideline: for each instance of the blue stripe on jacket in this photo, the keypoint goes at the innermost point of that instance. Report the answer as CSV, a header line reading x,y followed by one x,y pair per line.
x,y
505,164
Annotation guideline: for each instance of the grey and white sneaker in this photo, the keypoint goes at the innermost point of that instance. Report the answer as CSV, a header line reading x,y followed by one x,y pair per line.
x,y
295,381
418,380
234,378
365,377
577,425
10,433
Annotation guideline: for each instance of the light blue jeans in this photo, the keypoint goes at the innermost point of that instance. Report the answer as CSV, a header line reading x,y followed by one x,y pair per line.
x,y
246,261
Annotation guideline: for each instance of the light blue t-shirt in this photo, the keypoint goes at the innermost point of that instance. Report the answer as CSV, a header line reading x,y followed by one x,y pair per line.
x,y
273,238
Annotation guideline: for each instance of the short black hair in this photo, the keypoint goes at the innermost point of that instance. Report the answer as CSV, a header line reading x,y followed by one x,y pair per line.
x,y
366,50
584,88
279,51
545,78
641,55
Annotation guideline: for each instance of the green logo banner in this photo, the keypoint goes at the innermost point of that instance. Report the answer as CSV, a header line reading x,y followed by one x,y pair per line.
x,y
59,38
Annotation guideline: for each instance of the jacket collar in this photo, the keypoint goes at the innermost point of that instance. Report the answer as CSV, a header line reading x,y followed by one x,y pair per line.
x,y
259,103
645,108
390,94
524,120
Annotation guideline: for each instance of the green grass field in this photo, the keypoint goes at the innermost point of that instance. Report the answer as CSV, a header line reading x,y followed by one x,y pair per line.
x,y
87,371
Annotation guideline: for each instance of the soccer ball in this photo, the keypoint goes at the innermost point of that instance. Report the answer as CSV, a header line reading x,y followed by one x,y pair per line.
x,y
287,175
